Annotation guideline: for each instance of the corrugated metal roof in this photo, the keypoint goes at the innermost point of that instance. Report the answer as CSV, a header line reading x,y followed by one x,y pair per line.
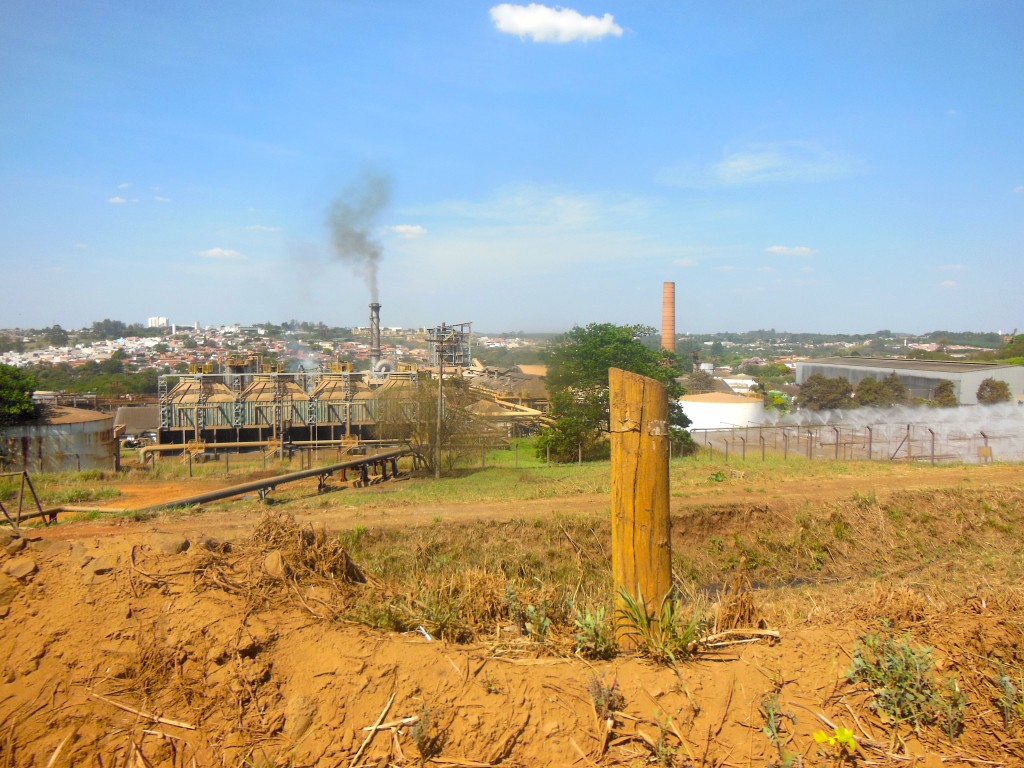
x,y
901,364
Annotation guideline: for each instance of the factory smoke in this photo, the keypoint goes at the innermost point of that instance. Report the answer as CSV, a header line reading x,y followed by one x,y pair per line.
x,y
351,218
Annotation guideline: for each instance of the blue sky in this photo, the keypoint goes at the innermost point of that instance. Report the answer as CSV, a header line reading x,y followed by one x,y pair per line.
x,y
841,166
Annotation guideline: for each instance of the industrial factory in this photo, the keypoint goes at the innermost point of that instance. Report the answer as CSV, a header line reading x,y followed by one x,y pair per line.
x,y
248,404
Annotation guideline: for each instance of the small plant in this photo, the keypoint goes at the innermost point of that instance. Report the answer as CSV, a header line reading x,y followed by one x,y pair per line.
x,y
716,477
427,737
953,709
1009,700
608,699
537,623
774,720
490,684
902,678
665,752
594,637
841,744
664,635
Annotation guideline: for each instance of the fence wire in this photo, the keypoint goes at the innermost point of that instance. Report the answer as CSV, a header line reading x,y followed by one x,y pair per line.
x,y
964,435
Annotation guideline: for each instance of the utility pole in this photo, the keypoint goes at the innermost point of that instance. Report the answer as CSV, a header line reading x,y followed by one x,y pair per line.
x,y
440,403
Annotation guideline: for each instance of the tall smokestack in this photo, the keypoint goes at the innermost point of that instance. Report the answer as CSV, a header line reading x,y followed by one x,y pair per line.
x,y
668,317
374,335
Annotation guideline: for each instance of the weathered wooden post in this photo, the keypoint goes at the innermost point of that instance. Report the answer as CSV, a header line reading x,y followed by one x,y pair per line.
x,y
641,547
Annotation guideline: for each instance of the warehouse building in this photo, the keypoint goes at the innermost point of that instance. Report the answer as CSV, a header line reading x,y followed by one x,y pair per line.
x,y
920,377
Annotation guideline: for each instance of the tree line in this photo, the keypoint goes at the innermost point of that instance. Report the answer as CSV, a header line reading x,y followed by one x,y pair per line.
x,y
821,392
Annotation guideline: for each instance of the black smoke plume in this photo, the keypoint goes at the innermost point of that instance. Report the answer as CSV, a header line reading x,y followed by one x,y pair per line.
x,y
351,218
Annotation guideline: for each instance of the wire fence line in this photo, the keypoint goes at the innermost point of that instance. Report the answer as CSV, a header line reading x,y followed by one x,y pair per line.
x,y
977,434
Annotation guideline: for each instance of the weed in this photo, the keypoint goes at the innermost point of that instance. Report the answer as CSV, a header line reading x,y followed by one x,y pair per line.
x,y
538,624
79,495
841,745
441,607
864,500
774,720
594,637
664,635
1009,700
386,616
716,477
841,529
664,751
8,489
953,709
608,699
490,685
902,678
427,736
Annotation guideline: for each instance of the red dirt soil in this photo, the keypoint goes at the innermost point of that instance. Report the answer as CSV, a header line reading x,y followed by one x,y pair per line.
x,y
119,650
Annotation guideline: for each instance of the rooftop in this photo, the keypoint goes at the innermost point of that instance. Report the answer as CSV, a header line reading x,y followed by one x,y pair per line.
x,y
898,364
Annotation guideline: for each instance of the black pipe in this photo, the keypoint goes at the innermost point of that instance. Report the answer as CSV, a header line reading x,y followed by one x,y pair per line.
x,y
273,482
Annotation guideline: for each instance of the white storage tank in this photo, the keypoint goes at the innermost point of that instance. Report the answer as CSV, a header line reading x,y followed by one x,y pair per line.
x,y
717,410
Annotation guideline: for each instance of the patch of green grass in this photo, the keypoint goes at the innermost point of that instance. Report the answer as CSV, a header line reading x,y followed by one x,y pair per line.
x,y
79,495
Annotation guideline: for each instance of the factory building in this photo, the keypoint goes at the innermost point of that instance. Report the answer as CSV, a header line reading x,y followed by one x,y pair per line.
x,y
920,377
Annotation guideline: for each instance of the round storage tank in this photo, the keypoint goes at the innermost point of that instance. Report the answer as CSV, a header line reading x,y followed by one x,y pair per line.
x,y
65,440
717,410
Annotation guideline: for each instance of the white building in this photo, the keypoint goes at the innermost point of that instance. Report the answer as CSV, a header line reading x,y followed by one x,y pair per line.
x,y
717,410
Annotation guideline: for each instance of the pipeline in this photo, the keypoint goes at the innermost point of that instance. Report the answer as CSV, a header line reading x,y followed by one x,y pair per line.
x,y
272,482
145,451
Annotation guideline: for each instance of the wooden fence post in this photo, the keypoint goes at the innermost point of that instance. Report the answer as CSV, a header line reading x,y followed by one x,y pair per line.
x,y
641,545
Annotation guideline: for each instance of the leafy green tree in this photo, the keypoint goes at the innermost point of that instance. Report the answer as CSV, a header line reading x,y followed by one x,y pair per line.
x,y
820,392
56,336
886,393
108,329
992,391
16,388
944,395
578,365
11,343
1015,348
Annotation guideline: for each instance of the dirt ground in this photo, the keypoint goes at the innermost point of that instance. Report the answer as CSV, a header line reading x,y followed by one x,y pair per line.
x,y
157,643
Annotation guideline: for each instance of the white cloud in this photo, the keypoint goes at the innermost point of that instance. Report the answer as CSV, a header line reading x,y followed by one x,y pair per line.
x,y
262,228
948,284
767,163
684,262
408,231
725,268
116,200
81,247
160,199
1019,189
552,25
221,253
125,185
790,250
764,163
953,268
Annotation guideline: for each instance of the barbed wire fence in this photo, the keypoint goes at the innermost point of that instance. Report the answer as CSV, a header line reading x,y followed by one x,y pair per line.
x,y
997,434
